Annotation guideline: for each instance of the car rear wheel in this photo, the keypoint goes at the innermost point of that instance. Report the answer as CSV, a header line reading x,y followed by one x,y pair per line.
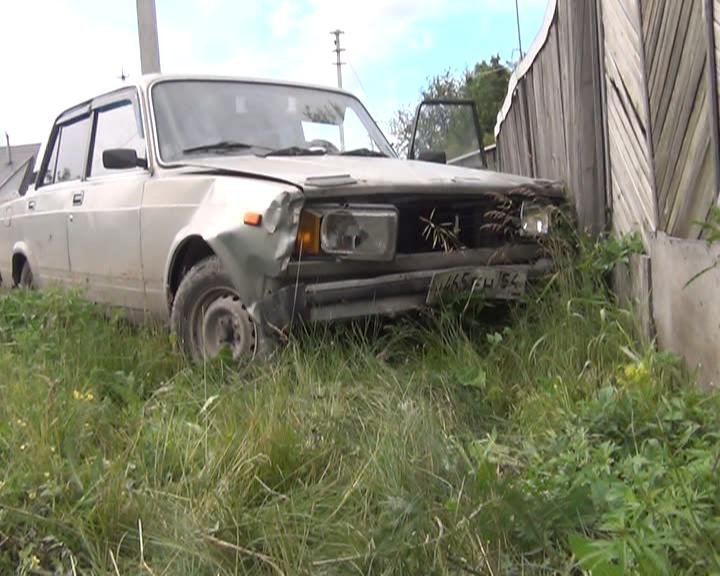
x,y
209,317
26,277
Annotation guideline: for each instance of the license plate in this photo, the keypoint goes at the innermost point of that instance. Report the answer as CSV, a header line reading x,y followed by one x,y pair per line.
x,y
489,282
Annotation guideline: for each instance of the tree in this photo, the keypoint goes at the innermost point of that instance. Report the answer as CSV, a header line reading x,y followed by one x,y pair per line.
x,y
486,84
401,126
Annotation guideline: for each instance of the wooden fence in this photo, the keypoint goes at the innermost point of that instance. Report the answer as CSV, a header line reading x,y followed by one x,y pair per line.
x,y
619,98
615,99
551,125
676,52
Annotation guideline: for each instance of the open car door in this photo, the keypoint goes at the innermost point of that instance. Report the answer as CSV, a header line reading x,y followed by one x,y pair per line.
x,y
448,131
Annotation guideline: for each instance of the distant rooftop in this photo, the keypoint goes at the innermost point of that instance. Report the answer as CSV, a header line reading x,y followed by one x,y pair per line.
x,y
20,156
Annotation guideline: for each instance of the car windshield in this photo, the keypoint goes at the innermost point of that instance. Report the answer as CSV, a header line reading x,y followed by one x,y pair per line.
x,y
203,117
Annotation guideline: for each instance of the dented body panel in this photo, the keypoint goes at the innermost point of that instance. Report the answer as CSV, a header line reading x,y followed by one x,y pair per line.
x,y
184,206
137,227
331,176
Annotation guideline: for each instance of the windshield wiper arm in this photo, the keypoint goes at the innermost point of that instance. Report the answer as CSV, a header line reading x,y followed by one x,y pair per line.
x,y
364,152
297,151
221,145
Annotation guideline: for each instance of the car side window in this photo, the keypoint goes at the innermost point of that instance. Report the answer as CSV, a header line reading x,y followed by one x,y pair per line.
x,y
66,160
49,175
116,126
72,150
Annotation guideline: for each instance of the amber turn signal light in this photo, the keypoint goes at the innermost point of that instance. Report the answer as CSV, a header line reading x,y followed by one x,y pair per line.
x,y
252,218
308,236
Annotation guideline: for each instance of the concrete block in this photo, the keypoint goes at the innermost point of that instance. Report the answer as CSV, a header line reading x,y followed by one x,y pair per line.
x,y
687,313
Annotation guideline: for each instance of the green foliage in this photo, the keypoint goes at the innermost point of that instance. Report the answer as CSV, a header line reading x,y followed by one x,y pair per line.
x,y
711,228
486,84
628,475
711,233
601,258
443,234
536,439
401,126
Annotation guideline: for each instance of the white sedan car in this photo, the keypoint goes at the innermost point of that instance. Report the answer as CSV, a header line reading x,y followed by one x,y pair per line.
x,y
234,208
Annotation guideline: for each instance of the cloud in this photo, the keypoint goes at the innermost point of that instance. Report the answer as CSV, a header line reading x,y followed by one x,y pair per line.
x,y
78,47
282,19
56,61
379,35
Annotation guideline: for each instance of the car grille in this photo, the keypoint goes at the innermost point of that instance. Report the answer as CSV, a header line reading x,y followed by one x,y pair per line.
x,y
446,224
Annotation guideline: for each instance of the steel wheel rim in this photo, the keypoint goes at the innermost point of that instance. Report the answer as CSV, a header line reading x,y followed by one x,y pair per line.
x,y
220,321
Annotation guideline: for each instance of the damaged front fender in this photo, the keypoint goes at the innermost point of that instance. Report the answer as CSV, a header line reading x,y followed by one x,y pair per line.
x,y
252,255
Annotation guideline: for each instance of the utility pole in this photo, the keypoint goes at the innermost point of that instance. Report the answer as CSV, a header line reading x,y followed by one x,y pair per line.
x,y
148,36
337,51
339,63
517,14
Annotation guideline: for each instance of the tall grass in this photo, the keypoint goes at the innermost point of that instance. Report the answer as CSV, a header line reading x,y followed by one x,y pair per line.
x,y
535,439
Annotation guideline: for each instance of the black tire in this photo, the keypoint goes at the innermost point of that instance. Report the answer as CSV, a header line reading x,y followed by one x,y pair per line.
x,y
208,315
26,277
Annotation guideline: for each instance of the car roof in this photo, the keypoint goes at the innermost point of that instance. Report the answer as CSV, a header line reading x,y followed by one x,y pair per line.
x,y
145,81
148,79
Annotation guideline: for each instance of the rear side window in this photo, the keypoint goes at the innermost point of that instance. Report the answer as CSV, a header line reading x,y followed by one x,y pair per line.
x,y
49,175
117,126
67,159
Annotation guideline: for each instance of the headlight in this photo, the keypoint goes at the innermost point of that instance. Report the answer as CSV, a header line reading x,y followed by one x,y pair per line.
x,y
534,219
359,233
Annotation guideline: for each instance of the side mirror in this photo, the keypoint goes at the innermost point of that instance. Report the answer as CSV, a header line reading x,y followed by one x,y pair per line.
x,y
433,156
122,159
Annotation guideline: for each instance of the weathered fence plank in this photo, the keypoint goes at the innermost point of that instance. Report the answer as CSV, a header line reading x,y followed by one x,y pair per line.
x,y
636,114
676,56
634,205
619,90
552,121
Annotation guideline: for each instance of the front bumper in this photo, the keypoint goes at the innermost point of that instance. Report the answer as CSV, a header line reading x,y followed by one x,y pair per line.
x,y
385,295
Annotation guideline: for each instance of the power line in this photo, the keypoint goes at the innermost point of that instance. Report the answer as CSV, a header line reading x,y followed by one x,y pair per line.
x,y
362,86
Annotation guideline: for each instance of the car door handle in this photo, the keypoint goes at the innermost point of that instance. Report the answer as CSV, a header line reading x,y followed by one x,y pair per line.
x,y
78,198
31,205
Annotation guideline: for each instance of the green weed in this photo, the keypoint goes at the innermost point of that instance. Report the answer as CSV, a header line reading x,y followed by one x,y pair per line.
x,y
537,439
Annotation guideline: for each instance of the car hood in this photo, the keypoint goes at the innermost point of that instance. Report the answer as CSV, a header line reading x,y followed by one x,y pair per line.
x,y
320,176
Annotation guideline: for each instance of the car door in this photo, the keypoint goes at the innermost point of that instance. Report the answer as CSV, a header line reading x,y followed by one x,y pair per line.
x,y
40,222
104,220
448,131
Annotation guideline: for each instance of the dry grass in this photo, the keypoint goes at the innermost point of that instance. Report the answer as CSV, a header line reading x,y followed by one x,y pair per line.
x,y
446,444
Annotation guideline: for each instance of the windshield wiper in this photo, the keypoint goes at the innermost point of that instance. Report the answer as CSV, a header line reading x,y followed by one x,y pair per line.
x,y
297,151
222,145
366,152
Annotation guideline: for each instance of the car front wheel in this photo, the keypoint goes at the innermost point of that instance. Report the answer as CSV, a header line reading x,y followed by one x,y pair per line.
x,y
209,317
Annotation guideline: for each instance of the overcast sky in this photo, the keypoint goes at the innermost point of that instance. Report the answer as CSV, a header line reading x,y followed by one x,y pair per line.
x,y
56,53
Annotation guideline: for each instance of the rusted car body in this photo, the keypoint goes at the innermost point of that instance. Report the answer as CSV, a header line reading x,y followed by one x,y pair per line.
x,y
207,202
